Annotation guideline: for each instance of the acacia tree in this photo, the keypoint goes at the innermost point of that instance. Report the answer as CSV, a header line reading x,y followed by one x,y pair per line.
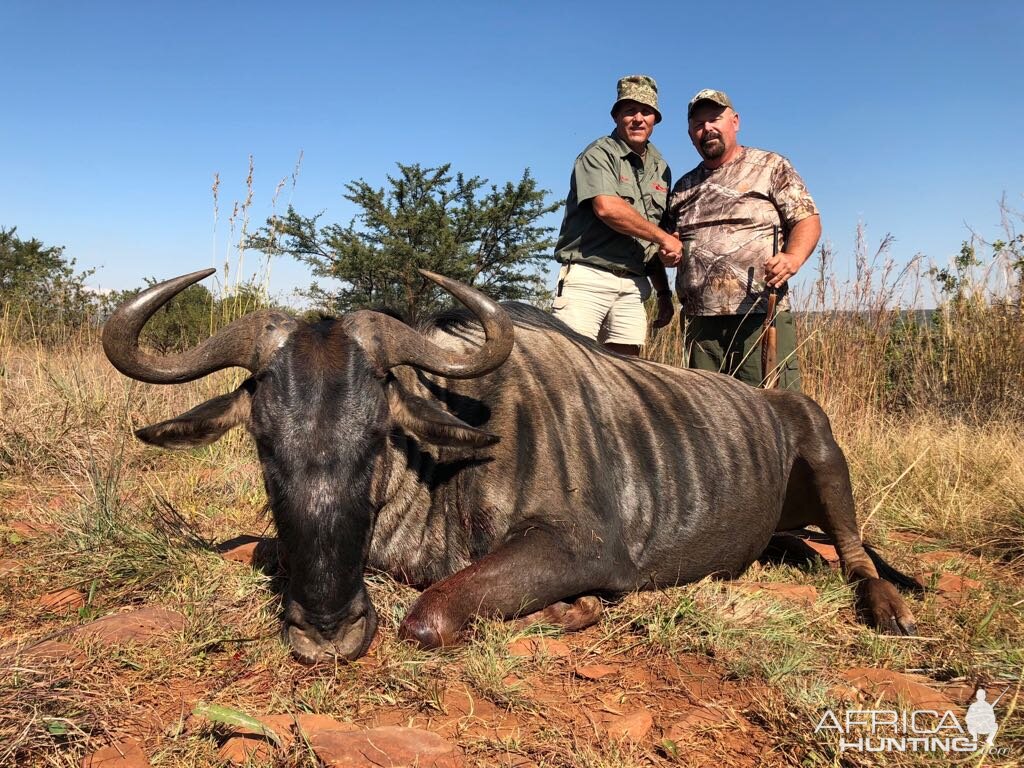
x,y
181,323
425,218
38,279
192,315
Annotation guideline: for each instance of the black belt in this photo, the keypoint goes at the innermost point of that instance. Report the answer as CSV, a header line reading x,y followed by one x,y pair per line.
x,y
617,271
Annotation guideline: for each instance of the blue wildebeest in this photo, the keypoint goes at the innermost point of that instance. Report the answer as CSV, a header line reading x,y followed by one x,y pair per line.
x,y
503,477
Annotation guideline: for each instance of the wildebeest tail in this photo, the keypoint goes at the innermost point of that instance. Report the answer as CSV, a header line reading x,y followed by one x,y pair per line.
x,y
890,574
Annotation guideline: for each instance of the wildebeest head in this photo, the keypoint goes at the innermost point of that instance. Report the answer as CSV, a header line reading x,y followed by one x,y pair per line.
x,y
320,403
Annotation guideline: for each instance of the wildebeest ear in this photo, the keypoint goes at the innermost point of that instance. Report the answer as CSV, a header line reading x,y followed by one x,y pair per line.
x,y
203,424
430,422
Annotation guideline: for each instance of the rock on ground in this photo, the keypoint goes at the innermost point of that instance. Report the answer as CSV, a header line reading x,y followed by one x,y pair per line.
x,y
390,746
62,600
124,754
888,685
50,652
256,551
594,671
949,583
803,594
134,626
633,726
827,552
30,530
247,746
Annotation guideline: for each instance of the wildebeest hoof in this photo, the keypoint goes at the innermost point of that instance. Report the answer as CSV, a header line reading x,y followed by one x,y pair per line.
x,y
304,650
883,607
582,613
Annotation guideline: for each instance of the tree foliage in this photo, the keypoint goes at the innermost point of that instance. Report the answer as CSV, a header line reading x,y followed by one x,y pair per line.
x,y
956,282
38,282
425,218
181,323
192,315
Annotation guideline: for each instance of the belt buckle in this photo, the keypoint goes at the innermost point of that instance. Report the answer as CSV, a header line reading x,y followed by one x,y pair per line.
x,y
620,272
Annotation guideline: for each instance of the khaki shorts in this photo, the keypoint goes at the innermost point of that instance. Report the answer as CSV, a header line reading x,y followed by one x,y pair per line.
x,y
601,305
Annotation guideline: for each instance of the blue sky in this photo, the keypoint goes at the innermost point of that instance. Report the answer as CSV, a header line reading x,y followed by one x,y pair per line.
x,y
906,115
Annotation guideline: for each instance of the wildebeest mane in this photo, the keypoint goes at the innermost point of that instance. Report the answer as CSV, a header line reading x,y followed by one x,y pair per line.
x,y
524,315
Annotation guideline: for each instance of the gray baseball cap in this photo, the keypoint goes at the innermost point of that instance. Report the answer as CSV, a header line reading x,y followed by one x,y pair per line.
x,y
709,94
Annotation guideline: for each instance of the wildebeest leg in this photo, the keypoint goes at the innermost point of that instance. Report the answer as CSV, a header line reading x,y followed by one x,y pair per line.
x,y
820,493
528,573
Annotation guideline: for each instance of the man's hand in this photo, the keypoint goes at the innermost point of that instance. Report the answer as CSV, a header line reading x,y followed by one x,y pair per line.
x,y
623,218
665,311
799,246
780,267
671,252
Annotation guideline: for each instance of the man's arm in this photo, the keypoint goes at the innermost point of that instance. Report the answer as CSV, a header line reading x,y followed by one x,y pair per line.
x,y
799,247
624,219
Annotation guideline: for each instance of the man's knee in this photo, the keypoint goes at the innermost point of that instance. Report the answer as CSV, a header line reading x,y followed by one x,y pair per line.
x,y
621,332
702,356
789,367
701,348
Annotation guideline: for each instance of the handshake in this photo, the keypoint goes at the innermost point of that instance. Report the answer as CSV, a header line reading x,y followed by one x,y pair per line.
x,y
671,250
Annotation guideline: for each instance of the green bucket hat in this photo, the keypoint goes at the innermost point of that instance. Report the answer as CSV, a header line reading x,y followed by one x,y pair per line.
x,y
709,94
641,89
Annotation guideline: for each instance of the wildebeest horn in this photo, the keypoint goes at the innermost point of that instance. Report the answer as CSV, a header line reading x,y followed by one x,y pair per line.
x,y
391,342
243,343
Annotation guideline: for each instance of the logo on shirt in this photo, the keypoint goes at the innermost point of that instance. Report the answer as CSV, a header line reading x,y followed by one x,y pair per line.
x,y
659,188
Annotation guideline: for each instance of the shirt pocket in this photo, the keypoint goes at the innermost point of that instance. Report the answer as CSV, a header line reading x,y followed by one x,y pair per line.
x,y
656,201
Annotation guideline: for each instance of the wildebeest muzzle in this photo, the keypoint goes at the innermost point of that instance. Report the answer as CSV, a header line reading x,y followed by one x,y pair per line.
x,y
316,639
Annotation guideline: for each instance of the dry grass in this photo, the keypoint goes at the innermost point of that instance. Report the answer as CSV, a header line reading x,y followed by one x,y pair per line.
x,y
863,348
136,526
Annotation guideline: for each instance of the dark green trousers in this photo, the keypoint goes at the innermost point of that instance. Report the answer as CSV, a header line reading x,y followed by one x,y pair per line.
x,y
732,344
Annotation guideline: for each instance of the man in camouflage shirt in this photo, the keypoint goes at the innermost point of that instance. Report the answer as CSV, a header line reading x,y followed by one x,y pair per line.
x,y
610,241
724,211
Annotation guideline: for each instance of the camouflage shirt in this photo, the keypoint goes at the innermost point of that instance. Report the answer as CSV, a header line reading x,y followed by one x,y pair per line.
x,y
724,218
609,167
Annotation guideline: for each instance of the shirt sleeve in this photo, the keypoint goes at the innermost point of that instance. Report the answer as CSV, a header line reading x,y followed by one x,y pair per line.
x,y
664,222
790,195
597,173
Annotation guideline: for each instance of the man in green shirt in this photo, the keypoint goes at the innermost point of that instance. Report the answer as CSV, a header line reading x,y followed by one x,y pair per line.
x,y
611,245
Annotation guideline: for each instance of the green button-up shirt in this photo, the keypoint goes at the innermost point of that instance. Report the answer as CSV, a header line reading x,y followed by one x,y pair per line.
x,y
610,167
